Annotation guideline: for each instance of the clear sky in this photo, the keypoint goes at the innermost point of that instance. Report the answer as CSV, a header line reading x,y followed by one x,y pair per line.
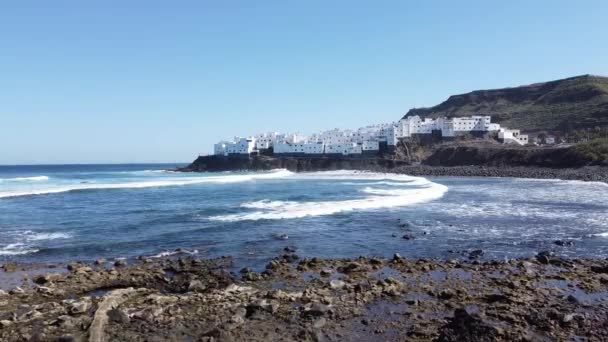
x,y
161,81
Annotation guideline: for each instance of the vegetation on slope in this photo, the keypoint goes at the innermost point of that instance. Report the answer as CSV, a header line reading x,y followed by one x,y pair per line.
x,y
563,105
595,150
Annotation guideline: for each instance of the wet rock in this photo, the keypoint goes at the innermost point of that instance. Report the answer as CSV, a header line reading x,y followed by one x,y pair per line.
x,y
120,263
118,316
363,286
272,265
3,293
600,269
376,261
252,276
260,307
65,321
237,319
5,323
290,258
445,294
408,237
319,323
316,310
337,284
66,338
571,317
572,299
9,266
79,307
325,272
42,279
289,249
196,286
245,270
544,257
476,254
352,268
466,327
397,257
100,261
73,266
564,243
16,291
44,289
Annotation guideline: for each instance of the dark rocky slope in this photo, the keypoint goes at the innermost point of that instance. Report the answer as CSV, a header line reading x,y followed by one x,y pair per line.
x,y
260,163
563,105
497,155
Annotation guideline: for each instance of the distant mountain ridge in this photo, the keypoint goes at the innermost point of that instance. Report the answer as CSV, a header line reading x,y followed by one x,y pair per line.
x,y
564,105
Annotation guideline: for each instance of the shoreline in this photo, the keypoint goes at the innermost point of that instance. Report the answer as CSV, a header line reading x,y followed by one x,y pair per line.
x,y
365,298
587,174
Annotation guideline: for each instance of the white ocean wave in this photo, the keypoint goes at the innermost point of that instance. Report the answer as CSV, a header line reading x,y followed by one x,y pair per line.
x,y
604,234
25,241
16,249
377,183
175,252
47,236
25,179
381,198
146,184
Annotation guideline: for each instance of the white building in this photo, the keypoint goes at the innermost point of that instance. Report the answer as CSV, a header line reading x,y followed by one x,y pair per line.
x,y
512,136
237,146
367,140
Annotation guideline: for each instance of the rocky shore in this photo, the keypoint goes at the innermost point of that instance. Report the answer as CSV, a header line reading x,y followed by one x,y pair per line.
x,y
182,298
264,163
588,173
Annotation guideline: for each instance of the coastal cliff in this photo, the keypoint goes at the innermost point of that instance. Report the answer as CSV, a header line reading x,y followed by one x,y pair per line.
x,y
588,162
260,163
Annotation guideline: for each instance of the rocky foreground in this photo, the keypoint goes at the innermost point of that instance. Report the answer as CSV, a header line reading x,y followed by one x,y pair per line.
x,y
364,299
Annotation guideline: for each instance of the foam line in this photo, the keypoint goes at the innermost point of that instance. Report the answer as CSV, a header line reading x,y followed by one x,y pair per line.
x,y
407,194
146,184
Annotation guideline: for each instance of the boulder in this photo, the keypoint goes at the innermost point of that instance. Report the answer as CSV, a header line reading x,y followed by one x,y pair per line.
x,y
315,310
118,316
120,263
9,266
196,286
337,284
464,327
476,254
100,261
79,307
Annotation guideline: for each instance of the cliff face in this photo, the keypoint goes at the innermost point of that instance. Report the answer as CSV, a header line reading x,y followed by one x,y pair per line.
x,y
562,105
259,163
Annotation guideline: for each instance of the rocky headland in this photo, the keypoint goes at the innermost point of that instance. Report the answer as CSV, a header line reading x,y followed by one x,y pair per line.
x,y
470,159
182,298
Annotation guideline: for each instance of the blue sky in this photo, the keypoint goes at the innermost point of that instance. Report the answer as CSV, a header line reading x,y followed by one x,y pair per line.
x,y
161,81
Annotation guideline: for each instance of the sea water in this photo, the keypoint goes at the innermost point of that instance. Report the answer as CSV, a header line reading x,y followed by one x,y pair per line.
x,y
83,212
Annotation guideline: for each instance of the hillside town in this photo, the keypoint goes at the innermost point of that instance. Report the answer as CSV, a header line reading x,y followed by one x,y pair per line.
x,y
370,140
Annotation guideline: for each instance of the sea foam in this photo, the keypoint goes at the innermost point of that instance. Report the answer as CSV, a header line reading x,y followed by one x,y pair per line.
x,y
25,179
144,184
413,190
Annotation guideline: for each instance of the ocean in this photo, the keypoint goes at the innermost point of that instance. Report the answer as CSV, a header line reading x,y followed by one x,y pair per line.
x,y
62,213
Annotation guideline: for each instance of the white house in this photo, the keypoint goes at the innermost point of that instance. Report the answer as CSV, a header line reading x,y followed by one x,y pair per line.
x,y
368,139
512,136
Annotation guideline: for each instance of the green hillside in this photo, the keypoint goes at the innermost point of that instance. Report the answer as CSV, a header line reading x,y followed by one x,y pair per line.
x,y
564,105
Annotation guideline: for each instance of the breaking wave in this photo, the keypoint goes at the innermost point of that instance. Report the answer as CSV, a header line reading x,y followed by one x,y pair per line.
x,y
145,184
16,249
26,240
25,179
412,190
